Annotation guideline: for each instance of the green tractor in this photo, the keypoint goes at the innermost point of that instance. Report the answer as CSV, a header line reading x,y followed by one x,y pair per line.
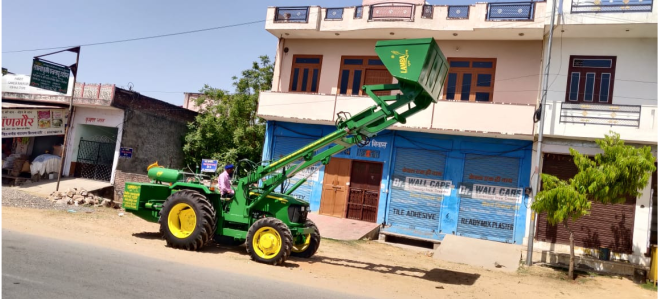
x,y
275,225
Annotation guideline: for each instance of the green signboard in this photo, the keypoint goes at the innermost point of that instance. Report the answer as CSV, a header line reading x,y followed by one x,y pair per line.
x,y
50,76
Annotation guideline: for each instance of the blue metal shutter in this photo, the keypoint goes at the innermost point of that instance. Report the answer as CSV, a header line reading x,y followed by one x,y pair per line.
x,y
286,145
416,209
485,212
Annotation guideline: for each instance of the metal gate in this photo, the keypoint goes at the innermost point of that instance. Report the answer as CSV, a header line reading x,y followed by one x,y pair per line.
x,y
609,225
489,197
417,192
95,159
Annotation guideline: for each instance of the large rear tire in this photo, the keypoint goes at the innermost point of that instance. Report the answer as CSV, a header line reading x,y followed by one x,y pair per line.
x,y
310,247
187,220
269,241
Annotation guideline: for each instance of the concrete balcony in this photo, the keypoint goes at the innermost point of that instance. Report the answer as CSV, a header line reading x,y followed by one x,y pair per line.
x,y
484,21
635,123
510,121
617,18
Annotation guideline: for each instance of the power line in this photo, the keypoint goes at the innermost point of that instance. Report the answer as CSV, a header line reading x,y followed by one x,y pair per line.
x,y
141,38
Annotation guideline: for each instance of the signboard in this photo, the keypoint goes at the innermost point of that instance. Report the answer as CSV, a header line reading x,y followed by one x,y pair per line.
x,y
20,84
208,165
33,122
489,192
49,76
415,184
131,196
126,152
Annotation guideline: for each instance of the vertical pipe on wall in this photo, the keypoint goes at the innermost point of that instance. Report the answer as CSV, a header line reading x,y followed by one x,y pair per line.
x,y
542,111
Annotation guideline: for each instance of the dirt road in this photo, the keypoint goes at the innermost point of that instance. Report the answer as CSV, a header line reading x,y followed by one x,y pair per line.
x,y
364,267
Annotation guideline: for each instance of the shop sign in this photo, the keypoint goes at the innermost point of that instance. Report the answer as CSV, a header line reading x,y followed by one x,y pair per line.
x,y
489,192
33,122
126,152
49,76
416,184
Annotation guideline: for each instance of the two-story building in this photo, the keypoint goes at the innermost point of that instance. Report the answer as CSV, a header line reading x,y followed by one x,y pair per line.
x,y
435,174
602,78
438,173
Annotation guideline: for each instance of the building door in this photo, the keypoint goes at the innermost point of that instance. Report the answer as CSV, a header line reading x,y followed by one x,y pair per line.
x,y
364,191
335,187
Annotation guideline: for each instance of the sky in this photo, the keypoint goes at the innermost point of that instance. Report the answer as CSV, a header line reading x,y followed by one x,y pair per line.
x,y
161,68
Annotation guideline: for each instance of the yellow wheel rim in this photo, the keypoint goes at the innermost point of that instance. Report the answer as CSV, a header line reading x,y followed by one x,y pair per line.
x,y
267,242
182,220
301,247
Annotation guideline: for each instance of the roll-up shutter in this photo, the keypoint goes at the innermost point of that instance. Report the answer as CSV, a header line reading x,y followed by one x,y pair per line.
x,y
287,145
607,225
417,189
489,197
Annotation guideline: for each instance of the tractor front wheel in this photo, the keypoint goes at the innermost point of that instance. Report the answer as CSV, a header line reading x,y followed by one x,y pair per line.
x,y
311,244
269,241
187,220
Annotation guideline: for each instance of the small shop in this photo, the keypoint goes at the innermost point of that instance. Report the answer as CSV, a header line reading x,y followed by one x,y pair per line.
x,y
32,140
417,184
94,144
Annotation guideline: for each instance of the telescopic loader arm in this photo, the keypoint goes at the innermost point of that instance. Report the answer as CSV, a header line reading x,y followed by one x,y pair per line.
x,y
420,68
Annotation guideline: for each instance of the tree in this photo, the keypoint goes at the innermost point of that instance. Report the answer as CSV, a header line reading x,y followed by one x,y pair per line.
x,y
227,128
620,171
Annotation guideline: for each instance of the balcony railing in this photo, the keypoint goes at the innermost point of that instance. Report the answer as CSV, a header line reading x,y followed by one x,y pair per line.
x,y
458,12
511,11
588,6
601,114
291,15
334,14
392,12
507,11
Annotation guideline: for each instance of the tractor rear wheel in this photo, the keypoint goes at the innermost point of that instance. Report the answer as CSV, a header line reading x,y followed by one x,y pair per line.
x,y
187,220
310,246
269,241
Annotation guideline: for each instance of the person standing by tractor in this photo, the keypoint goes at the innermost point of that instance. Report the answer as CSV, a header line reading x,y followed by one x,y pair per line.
x,y
224,181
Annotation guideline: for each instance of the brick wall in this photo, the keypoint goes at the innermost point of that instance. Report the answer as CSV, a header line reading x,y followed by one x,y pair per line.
x,y
120,179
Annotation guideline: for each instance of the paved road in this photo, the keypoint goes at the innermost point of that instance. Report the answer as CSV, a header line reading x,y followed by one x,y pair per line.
x,y
37,267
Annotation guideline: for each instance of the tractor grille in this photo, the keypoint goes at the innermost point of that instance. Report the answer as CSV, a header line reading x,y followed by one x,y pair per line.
x,y
296,215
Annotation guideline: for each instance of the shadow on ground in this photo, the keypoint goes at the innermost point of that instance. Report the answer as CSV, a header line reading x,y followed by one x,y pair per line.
x,y
435,275
148,235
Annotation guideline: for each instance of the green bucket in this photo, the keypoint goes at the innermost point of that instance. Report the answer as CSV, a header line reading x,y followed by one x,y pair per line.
x,y
417,62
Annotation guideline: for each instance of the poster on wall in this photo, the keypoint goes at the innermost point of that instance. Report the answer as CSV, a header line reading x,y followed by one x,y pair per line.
x,y
489,197
286,145
417,189
33,122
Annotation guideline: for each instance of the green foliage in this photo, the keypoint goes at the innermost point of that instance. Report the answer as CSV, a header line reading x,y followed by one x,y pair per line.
x,y
227,128
620,171
560,200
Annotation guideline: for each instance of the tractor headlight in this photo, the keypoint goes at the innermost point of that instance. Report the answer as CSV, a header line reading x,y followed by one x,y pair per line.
x,y
297,213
